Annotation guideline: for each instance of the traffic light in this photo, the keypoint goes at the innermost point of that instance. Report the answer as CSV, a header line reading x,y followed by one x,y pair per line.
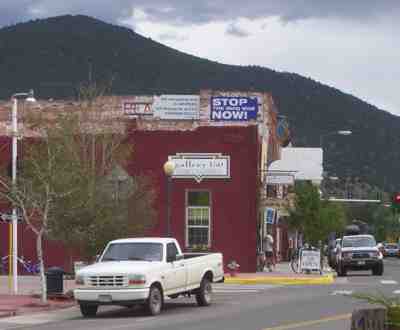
x,y
396,200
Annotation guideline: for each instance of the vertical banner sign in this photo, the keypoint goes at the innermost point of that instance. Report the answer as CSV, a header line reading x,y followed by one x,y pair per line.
x,y
233,108
269,215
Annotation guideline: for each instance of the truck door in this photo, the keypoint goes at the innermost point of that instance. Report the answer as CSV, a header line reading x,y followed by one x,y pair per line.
x,y
176,273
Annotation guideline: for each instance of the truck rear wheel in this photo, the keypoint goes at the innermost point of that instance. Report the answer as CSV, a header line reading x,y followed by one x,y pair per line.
x,y
88,310
155,301
341,270
203,295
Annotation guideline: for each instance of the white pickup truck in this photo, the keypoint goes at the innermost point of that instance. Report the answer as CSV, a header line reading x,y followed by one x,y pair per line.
x,y
145,271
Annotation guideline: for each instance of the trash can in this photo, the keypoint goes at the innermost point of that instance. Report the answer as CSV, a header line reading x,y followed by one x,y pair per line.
x,y
55,280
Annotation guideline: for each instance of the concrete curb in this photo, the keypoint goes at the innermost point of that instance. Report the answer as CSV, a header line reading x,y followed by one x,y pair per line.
x,y
7,312
322,280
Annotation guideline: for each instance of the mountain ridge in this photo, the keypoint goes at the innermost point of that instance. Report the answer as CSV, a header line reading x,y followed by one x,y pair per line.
x,y
53,56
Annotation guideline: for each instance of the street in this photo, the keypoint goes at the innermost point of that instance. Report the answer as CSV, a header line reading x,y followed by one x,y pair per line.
x,y
236,307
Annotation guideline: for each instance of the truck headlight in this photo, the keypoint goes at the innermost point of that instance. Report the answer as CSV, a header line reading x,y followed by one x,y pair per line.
x,y
347,255
79,280
374,254
136,279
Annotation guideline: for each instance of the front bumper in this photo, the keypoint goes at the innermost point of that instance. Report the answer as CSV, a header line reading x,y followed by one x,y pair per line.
x,y
391,254
364,264
111,297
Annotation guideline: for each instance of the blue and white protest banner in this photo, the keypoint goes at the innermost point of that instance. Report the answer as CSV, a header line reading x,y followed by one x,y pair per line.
x,y
269,215
233,108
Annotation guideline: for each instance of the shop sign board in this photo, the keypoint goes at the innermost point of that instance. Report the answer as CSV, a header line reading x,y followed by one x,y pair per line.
x,y
233,108
310,260
137,106
269,215
201,166
279,179
177,107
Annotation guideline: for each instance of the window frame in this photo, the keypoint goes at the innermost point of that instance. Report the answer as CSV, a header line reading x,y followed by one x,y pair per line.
x,y
187,207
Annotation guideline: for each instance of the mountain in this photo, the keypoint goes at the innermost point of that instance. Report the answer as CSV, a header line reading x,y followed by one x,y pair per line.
x,y
54,55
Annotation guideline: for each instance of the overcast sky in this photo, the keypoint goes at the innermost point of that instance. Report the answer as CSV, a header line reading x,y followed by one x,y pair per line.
x,y
352,45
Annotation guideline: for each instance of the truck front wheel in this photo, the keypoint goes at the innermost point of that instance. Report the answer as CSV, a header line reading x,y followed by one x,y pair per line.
x,y
155,301
203,295
378,270
88,310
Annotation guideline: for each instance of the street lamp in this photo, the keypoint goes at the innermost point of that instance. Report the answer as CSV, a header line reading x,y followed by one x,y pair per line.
x,y
340,132
28,97
169,168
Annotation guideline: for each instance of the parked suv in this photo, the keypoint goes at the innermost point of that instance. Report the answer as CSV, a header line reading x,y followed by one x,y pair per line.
x,y
359,252
390,250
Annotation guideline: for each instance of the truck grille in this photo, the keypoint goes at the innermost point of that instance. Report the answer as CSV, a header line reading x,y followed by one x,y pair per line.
x,y
108,281
361,255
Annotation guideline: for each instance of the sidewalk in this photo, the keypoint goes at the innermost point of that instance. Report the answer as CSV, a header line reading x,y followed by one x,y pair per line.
x,y
282,275
27,300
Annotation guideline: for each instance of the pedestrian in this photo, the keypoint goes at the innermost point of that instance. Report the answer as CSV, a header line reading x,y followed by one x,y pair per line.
x,y
268,246
290,248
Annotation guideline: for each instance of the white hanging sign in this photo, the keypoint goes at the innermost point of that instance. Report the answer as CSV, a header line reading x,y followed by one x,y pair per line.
x,y
201,166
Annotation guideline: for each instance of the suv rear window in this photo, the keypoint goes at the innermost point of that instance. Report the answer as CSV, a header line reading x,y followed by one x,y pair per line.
x,y
359,242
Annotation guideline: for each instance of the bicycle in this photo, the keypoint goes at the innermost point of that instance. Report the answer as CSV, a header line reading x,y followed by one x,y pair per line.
x,y
28,265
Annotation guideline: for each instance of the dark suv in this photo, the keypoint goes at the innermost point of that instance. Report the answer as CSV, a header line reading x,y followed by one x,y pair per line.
x,y
359,252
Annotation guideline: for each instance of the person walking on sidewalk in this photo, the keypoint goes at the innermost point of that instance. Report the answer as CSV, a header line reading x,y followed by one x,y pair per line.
x,y
268,245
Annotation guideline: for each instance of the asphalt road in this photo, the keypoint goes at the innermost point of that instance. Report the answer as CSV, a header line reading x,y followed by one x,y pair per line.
x,y
236,307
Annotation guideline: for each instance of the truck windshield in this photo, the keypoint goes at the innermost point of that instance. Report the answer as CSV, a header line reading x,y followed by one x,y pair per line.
x,y
359,242
133,251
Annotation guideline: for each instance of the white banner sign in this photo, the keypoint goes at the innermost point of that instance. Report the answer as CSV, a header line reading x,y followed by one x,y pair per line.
x,y
310,260
177,107
201,166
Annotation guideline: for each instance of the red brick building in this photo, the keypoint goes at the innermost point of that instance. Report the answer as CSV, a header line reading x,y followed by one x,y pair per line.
x,y
217,212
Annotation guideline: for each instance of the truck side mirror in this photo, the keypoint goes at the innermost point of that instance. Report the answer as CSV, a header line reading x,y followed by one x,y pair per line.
x,y
98,257
171,258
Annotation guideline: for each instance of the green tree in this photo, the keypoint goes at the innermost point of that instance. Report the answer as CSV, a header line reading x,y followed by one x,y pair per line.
x,y
383,222
312,216
69,188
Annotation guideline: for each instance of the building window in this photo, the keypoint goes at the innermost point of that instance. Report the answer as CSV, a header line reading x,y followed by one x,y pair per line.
x,y
198,222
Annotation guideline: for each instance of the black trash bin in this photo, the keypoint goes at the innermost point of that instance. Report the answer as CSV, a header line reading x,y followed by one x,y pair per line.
x,y
55,280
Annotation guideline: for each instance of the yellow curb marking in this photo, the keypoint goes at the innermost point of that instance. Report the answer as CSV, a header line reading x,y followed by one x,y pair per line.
x,y
310,323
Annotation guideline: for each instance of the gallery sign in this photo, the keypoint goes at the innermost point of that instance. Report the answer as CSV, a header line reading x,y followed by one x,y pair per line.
x,y
201,166
233,108
177,107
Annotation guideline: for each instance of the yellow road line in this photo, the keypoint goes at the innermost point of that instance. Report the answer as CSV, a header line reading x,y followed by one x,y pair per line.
x,y
312,322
